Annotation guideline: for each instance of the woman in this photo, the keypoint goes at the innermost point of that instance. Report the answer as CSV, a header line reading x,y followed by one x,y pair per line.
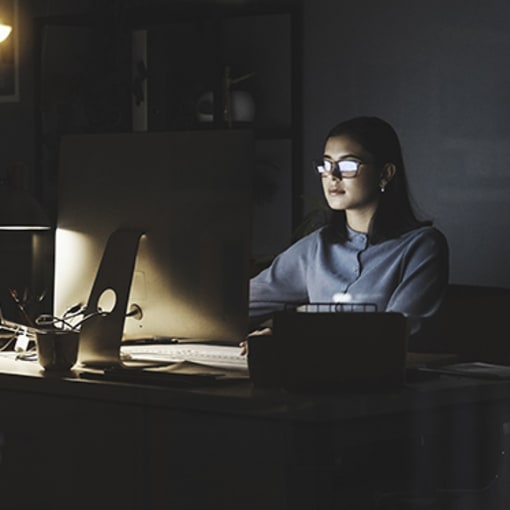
x,y
374,250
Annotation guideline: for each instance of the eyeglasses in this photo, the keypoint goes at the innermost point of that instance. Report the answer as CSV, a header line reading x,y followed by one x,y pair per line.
x,y
345,168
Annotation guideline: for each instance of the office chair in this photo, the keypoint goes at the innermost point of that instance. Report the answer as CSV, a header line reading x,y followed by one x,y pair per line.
x,y
472,323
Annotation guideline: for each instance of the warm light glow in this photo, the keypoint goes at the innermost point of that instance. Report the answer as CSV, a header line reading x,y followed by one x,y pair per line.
x,y
5,31
24,227
74,254
166,302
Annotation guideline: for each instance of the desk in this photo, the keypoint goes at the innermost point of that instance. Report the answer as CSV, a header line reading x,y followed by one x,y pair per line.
x,y
69,442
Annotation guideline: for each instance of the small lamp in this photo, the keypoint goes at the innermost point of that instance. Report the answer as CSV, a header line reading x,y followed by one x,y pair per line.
x,y
26,260
5,31
21,211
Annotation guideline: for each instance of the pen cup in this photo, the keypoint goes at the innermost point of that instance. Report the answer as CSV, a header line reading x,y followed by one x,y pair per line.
x,y
57,349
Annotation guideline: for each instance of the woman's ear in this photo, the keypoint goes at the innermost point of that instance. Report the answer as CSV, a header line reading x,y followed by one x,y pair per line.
x,y
388,172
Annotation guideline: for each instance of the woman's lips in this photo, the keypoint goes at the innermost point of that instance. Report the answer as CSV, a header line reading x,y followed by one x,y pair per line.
x,y
336,191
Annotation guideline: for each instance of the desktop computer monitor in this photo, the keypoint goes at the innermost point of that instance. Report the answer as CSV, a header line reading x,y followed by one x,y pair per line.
x,y
190,194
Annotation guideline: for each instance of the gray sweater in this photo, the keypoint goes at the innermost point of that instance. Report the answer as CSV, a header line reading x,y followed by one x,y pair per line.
x,y
407,274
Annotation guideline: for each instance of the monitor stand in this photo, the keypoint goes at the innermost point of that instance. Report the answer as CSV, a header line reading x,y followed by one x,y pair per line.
x,y
101,334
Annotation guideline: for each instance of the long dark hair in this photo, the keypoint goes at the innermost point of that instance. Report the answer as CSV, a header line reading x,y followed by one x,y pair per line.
x,y
395,214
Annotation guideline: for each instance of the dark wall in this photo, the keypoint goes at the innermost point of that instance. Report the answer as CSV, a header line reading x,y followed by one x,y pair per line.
x,y
436,70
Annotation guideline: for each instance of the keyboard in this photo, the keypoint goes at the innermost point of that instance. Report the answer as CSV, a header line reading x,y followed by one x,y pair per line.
x,y
219,356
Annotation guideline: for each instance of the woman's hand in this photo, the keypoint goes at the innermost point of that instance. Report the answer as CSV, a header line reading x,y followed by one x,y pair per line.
x,y
257,332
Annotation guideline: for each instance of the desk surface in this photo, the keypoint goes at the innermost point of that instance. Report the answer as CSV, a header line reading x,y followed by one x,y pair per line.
x,y
242,399
144,447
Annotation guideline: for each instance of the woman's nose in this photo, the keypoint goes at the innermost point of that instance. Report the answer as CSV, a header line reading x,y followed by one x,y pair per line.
x,y
335,175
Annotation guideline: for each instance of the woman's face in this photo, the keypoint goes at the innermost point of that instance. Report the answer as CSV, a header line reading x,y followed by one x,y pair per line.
x,y
356,194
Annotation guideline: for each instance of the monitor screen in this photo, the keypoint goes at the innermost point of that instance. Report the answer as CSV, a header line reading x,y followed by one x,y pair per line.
x,y
190,194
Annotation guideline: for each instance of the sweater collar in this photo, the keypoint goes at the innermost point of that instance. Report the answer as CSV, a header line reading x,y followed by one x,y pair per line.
x,y
359,239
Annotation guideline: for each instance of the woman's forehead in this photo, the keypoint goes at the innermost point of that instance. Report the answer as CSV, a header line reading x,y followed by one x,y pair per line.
x,y
343,145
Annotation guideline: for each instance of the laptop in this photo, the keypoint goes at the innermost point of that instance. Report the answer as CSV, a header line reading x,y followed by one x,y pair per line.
x,y
330,352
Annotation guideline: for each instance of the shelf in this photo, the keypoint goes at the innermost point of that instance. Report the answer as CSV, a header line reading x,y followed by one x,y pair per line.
x,y
186,51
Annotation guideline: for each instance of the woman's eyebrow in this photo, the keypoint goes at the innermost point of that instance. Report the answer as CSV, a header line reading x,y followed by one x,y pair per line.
x,y
346,156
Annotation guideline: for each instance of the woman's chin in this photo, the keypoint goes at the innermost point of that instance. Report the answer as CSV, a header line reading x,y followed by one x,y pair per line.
x,y
336,203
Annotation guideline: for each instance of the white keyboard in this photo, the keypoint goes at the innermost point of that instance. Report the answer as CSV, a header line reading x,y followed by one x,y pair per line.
x,y
220,356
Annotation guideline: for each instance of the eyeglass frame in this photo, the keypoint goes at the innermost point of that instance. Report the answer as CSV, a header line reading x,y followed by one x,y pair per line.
x,y
336,171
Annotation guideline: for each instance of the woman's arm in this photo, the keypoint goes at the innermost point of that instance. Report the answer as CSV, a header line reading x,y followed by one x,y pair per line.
x,y
282,283
424,279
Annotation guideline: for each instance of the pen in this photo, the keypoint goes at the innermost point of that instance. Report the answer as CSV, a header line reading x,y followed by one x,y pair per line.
x,y
21,308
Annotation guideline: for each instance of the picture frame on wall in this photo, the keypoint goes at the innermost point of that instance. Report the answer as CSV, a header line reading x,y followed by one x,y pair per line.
x,y
9,68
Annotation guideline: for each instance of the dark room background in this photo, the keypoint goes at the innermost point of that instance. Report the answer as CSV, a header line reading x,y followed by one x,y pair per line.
x,y
436,70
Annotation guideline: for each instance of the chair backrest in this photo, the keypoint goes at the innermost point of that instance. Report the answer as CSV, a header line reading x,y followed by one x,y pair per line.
x,y
473,323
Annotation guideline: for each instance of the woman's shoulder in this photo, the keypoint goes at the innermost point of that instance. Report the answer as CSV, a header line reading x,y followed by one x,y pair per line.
x,y
301,246
309,240
426,234
307,245
427,230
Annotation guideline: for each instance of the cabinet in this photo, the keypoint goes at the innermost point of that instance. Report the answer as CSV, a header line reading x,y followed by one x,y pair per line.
x,y
177,66
67,441
59,452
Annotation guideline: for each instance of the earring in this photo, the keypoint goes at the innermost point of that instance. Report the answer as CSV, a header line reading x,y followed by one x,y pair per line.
x,y
382,188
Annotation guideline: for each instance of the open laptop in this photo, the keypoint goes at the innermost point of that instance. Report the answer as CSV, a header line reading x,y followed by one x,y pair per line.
x,y
331,352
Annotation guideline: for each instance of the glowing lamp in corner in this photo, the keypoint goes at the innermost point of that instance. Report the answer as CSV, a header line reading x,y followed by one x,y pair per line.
x,y
5,31
20,211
